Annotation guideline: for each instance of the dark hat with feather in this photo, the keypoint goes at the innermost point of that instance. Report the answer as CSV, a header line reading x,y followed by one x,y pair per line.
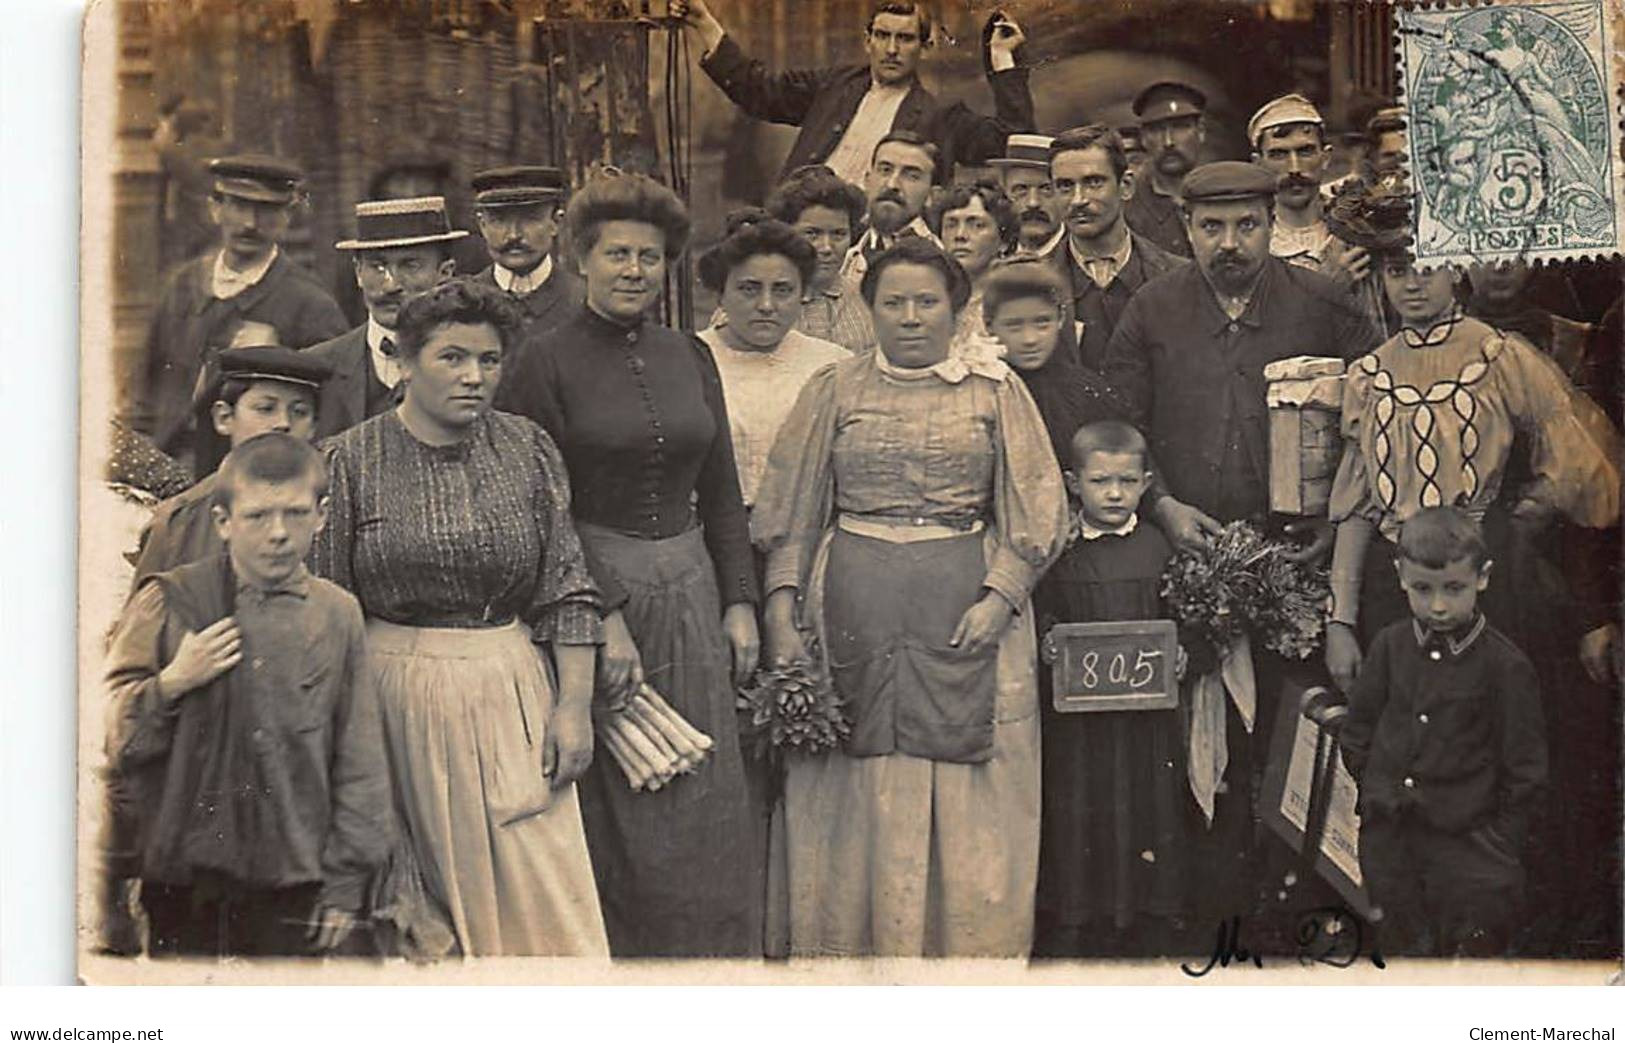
x,y
1375,215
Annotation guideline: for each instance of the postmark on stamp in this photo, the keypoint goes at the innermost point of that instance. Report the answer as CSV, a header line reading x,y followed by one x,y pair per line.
x,y
1514,138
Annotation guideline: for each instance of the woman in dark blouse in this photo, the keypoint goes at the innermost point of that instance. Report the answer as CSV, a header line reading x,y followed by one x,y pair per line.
x,y
451,524
637,410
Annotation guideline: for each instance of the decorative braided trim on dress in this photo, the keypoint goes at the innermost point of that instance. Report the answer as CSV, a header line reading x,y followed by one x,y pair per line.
x,y
1392,395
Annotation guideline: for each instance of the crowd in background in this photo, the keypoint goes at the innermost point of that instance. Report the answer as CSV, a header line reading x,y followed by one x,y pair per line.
x,y
355,688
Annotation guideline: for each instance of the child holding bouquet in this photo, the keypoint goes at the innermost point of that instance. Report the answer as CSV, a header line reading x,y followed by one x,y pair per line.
x,y
1117,817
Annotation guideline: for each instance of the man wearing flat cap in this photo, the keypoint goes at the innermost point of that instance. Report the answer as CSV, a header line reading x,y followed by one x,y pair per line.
x,y
1104,261
402,248
1186,363
845,110
518,210
1288,137
1171,132
246,281
1024,171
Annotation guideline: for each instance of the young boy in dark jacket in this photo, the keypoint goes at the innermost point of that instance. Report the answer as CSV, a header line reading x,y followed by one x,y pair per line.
x,y
244,716
1446,739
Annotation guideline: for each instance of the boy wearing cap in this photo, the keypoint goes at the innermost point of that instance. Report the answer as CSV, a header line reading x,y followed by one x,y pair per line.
x,y
260,389
246,280
1172,132
242,713
518,211
1288,138
402,248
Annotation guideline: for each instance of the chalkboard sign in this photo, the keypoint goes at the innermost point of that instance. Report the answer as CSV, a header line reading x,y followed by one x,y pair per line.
x,y
1098,667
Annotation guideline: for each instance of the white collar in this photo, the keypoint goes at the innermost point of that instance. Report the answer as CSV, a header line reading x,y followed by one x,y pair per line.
x,y
951,370
228,282
1310,240
387,368
523,285
1082,530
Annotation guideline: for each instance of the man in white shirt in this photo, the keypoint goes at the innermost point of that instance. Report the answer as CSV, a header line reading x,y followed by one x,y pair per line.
x,y
844,111
1288,137
402,248
518,210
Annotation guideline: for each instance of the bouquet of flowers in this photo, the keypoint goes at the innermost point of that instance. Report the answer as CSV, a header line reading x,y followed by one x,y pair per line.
x,y
1244,585
792,708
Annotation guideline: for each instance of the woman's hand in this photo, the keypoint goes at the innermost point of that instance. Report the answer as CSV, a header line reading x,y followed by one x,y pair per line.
x,y
1342,655
1188,527
1599,653
783,637
567,748
982,624
744,641
620,670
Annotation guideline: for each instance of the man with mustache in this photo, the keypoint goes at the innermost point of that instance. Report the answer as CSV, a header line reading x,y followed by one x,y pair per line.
x,y
843,111
897,184
1104,261
1288,138
402,248
518,211
1026,178
1186,364
1171,132
247,280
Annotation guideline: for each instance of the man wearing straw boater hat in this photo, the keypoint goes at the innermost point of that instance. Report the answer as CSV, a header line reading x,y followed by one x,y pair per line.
x,y
402,247
518,211
247,280
1024,168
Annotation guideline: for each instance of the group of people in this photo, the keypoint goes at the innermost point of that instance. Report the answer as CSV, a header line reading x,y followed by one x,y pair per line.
x,y
357,677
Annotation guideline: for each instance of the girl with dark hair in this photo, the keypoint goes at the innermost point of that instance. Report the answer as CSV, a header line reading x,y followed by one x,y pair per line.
x,y
910,502
637,410
759,272
827,212
450,523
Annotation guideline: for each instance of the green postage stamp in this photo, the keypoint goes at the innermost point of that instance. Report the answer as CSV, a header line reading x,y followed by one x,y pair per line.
x,y
1513,114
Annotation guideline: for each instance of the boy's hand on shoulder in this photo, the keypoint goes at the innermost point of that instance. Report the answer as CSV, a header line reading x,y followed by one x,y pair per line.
x,y
332,928
203,655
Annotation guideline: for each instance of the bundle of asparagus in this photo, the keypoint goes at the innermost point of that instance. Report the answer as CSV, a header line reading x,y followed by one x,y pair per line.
x,y
651,741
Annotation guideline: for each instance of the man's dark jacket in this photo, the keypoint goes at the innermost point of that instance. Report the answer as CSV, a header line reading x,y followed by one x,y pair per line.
x,y
822,103
1099,309
191,325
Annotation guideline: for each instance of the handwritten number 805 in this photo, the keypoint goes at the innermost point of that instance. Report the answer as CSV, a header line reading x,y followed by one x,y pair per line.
x,y
1118,670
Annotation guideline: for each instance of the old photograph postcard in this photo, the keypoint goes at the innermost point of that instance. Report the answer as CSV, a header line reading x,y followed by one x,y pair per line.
x,y
850,491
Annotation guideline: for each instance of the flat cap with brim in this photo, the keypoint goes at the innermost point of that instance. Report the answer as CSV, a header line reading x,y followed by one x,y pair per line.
x,y
259,179
1024,150
274,362
1168,99
518,186
1390,118
1226,180
1282,112
384,223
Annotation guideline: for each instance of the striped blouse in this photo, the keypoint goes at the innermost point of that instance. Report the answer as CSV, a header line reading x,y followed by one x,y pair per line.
x,y
467,535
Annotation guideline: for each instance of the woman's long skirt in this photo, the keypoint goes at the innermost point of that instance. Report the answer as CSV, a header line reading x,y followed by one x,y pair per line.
x,y
680,870
500,854
898,855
